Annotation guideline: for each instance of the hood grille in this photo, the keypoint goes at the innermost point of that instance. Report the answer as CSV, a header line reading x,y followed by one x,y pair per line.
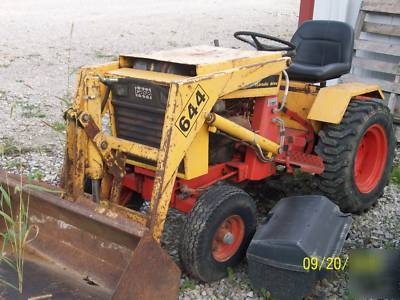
x,y
139,110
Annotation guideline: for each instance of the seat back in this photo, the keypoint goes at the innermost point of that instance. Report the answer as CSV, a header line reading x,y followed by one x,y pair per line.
x,y
321,42
324,51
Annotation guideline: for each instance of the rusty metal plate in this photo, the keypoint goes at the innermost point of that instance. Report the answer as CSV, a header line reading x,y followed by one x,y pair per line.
x,y
49,281
150,275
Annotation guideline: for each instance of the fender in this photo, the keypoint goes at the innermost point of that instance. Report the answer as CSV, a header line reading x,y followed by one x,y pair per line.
x,y
331,102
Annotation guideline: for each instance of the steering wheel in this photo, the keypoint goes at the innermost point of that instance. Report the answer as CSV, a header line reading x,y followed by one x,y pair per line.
x,y
244,37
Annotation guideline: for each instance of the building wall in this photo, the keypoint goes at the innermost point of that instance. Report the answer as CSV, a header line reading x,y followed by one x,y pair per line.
x,y
347,11
332,9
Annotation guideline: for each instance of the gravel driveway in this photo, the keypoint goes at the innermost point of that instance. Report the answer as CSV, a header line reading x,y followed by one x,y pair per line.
x,y
44,42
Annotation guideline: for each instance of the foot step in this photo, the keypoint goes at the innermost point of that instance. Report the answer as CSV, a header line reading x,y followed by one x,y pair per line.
x,y
307,162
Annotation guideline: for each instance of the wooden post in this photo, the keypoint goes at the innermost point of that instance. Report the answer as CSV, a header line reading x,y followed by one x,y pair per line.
x,y
306,11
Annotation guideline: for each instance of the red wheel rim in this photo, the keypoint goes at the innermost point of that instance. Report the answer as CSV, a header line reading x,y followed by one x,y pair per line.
x,y
371,158
228,238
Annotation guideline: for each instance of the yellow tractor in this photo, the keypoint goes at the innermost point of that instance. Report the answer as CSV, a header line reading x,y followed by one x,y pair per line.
x,y
187,129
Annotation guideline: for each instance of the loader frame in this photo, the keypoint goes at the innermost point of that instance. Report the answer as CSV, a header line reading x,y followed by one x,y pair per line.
x,y
84,132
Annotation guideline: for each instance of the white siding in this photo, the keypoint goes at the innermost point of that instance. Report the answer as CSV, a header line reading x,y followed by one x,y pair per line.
x,y
340,10
347,10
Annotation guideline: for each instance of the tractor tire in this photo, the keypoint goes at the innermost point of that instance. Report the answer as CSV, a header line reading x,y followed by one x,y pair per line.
x,y
358,155
217,232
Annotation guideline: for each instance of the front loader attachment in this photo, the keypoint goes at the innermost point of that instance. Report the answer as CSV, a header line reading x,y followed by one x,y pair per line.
x,y
95,250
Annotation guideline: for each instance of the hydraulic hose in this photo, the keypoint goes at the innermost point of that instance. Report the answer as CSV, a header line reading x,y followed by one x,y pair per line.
x,y
285,94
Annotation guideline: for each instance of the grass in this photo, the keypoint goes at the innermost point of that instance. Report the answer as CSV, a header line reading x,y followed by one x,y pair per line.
x,y
17,233
264,293
30,110
71,32
8,146
395,177
100,54
389,245
349,296
36,175
56,126
15,164
59,126
66,99
188,284
245,283
231,274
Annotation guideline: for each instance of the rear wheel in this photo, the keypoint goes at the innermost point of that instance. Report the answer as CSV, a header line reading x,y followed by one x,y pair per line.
x,y
358,155
217,232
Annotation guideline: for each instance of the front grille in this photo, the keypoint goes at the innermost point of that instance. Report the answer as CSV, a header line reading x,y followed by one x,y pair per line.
x,y
139,110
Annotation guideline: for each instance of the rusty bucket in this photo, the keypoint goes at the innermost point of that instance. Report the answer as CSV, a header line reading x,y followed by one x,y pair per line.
x,y
84,250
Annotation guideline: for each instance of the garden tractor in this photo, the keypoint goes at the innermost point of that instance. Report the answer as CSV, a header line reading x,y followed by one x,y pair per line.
x,y
187,129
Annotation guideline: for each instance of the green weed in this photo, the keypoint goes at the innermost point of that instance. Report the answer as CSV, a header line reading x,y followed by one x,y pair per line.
x,y
15,164
188,284
30,110
66,99
264,293
395,177
17,233
36,175
100,54
56,126
349,296
389,244
231,274
8,146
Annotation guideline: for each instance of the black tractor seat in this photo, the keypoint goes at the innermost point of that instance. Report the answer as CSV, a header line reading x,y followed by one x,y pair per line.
x,y
323,51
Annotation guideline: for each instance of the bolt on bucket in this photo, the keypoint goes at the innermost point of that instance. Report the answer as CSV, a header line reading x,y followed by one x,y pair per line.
x,y
85,250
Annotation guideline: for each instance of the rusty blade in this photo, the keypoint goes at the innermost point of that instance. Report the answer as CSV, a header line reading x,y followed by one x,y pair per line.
x,y
150,274
82,236
91,242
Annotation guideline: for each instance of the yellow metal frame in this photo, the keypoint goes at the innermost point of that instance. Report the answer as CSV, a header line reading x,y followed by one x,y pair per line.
x,y
237,131
331,102
323,104
177,143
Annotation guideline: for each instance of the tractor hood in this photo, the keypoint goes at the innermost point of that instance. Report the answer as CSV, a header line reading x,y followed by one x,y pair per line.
x,y
198,60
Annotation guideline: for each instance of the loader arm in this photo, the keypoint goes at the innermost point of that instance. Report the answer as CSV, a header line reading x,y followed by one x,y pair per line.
x,y
176,138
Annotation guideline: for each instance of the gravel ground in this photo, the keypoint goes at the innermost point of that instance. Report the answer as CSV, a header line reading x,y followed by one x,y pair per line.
x,y
43,42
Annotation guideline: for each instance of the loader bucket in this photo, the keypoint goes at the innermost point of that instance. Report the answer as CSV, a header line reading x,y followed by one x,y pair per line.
x,y
84,250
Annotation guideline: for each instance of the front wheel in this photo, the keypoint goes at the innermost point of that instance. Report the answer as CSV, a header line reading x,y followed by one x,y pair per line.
x,y
217,232
358,155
